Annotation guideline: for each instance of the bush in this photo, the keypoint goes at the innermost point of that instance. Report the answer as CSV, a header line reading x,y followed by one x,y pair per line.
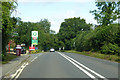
x,y
110,49
105,39
35,51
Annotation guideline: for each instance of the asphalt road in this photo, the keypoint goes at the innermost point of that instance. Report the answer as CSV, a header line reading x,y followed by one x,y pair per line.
x,y
69,65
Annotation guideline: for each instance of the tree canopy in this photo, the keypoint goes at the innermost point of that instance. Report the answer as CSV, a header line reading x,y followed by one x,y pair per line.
x,y
106,12
8,23
70,28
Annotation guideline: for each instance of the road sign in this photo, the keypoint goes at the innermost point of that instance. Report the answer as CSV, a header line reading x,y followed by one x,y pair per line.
x,y
34,33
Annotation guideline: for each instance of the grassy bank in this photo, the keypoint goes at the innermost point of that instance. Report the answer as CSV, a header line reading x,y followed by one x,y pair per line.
x,y
8,58
114,58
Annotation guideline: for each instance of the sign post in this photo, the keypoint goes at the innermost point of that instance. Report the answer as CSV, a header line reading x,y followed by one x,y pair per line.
x,y
34,38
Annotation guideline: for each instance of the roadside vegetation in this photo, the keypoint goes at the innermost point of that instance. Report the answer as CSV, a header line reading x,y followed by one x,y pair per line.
x,y
35,52
102,40
8,58
114,58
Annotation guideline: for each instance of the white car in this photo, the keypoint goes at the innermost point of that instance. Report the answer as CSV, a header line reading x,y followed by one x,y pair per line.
x,y
52,50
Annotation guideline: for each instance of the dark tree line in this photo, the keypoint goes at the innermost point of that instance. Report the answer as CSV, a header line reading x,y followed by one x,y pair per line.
x,y
74,33
46,38
70,28
8,23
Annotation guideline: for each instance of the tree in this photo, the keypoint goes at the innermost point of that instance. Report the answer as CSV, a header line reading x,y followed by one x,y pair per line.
x,y
7,23
46,40
106,13
69,29
46,25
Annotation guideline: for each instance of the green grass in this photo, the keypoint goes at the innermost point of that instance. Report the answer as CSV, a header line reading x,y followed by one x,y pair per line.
x,y
8,58
114,58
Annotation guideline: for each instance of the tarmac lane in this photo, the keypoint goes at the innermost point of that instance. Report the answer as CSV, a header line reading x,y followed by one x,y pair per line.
x,y
66,65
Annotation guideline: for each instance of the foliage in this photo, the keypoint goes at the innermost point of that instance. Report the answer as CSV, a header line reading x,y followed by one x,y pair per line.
x,y
106,39
8,58
110,49
8,23
97,55
69,29
106,13
46,40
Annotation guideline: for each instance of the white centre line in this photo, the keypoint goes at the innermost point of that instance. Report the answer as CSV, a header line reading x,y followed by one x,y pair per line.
x,y
73,60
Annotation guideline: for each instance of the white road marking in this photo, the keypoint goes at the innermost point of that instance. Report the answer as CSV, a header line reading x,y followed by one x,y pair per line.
x,y
34,59
84,66
22,68
19,71
87,68
90,75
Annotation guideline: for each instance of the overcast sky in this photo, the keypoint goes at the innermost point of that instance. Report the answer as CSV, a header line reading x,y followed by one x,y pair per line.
x,y
55,11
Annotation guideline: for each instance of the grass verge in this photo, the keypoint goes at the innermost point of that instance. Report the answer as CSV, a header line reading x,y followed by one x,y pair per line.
x,y
8,58
114,58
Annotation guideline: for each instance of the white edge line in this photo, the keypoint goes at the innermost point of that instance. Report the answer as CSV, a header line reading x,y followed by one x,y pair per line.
x,y
23,67
86,68
34,59
90,75
13,75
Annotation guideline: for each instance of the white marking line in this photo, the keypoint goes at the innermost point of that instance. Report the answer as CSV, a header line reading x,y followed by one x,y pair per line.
x,y
90,75
34,59
86,67
23,66
18,72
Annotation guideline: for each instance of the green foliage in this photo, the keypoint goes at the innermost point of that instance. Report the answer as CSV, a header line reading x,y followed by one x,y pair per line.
x,y
8,23
46,40
106,13
105,39
35,51
69,29
97,55
110,49
8,58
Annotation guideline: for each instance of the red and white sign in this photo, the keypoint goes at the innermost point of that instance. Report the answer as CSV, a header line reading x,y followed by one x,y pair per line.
x,y
31,48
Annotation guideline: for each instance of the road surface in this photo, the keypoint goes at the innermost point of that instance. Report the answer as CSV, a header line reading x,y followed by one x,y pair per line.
x,y
69,65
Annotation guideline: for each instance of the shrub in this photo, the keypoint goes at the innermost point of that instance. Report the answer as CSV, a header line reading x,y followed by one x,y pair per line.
x,y
32,52
110,49
105,39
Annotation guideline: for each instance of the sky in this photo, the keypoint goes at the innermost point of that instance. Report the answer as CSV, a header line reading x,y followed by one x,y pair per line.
x,y
55,11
